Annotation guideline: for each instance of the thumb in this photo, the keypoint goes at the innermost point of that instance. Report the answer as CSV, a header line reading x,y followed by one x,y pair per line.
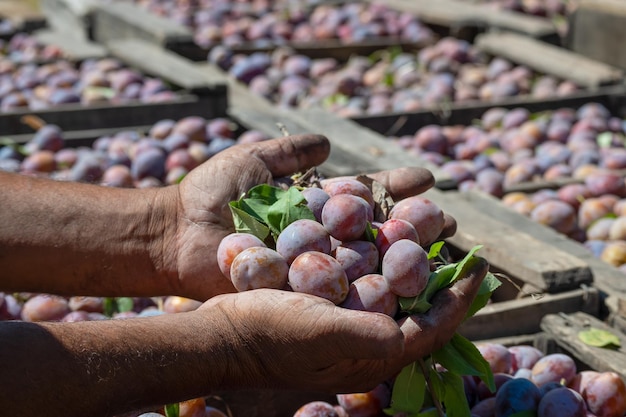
x,y
292,154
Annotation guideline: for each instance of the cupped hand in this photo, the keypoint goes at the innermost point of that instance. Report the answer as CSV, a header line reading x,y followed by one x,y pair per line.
x,y
200,216
283,339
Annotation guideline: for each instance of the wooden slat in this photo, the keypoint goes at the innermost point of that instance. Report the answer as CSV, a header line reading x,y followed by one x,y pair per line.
x,y
375,152
606,278
523,316
510,248
564,329
459,15
611,97
78,117
155,60
595,28
125,20
69,16
550,59
74,47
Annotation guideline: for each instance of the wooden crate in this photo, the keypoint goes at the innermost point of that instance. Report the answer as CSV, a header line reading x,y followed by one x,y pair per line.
x,y
196,95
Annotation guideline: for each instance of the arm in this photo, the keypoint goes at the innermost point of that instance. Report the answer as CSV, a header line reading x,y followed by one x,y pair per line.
x,y
72,238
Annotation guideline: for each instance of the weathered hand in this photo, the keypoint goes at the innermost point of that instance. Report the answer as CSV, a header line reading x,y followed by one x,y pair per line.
x,y
291,340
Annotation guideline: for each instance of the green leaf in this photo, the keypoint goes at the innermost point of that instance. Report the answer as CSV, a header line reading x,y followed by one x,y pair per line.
x,y
408,391
461,357
487,287
124,304
247,223
604,139
370,233
454,398
172,410
599,338
436,280
388,79
289,206
435,249
432,412
109,306
267,209
461,264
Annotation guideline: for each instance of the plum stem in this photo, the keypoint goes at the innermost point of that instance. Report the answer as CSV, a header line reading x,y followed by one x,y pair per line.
x,y
433,394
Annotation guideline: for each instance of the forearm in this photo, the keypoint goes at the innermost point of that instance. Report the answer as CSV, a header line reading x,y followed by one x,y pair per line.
x,y
81,239
106,368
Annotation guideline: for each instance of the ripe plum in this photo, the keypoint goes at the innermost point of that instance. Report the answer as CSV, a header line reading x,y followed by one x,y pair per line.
x,y
258,267
406,268
319,274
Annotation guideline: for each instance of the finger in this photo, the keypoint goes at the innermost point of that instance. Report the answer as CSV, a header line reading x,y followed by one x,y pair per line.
x,y
429,332
405,182
366,335
292,154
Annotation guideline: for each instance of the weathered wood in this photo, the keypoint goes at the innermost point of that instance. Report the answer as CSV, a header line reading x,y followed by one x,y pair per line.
x,y
511,248
564,328
550,59
69,16
79,117
523,316
608,279
78,138
400,124
508,341
595,30
123,20
157,61
374,152
74,47
460,15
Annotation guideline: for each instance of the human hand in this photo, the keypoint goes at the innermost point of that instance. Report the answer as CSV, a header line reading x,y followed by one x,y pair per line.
x,y
283,339
200,216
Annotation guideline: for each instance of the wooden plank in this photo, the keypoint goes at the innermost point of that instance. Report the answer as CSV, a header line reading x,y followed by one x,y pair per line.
x,y
608,279
460,16
74,47
400,124
510,248
523,316
595,27
125,20
77,138
564,329
157,61
375,152
550,59
70,16
78,117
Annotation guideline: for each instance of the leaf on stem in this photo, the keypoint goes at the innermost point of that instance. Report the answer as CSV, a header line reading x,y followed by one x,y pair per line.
x,y
408,391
